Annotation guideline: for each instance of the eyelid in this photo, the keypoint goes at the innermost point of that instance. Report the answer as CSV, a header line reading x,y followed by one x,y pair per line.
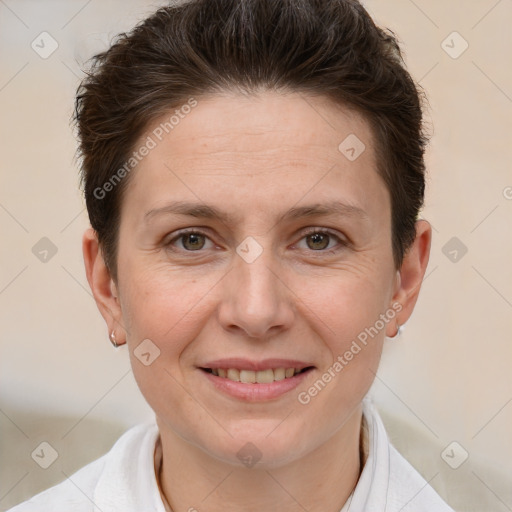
x,y
327,231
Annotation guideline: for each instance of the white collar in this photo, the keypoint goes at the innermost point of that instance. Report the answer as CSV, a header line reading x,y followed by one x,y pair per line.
x,y
128,480
372,487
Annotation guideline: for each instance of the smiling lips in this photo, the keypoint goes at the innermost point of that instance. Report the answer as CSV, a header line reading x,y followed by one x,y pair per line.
x,y
256,381
259,377
264,372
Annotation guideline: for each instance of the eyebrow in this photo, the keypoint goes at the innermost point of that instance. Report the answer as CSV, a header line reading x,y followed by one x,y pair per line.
x,y
206,211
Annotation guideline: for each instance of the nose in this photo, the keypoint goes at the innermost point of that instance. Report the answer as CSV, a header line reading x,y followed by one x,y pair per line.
x,y
255,300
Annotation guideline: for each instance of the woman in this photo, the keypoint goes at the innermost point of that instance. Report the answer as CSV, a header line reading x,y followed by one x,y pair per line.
x,y
253,172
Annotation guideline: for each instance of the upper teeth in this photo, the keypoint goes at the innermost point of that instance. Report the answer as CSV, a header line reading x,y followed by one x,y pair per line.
x,y
260,377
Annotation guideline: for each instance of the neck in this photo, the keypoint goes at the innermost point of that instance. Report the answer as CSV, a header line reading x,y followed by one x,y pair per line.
x,y
321,481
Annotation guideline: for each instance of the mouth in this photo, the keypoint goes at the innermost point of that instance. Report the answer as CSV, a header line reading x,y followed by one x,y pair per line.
x,y
253,381
266,376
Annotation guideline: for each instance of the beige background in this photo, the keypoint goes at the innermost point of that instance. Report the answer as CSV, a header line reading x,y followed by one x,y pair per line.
x,y
447,378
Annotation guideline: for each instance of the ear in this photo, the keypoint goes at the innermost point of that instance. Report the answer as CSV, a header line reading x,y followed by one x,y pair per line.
x,y
410,276
102,285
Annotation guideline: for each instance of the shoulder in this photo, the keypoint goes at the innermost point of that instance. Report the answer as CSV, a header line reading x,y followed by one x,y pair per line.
x,y
78,492
409,489
391,477
70,494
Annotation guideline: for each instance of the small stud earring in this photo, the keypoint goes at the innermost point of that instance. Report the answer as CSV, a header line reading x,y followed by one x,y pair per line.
x,y
397,333
113,339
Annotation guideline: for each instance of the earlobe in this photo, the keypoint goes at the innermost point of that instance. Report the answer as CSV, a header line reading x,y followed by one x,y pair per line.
x,y
102,286
411,274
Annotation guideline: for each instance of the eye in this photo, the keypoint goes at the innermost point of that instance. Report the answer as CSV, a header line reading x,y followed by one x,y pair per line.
x,y
322,240
318,240
190,241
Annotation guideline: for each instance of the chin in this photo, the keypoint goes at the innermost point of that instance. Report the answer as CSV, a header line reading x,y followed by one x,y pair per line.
x,y
259,450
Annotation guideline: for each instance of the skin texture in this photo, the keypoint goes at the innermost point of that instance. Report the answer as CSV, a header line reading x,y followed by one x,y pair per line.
x,y
255,158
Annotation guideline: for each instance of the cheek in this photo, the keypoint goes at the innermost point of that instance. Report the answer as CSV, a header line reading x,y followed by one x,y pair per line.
x,y
164,312
345,312
342,304
161,303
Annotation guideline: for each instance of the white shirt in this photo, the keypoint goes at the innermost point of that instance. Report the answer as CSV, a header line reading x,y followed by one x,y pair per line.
x,y
123,480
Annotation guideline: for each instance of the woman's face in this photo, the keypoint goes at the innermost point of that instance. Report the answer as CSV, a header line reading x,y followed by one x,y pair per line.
x,y
288,257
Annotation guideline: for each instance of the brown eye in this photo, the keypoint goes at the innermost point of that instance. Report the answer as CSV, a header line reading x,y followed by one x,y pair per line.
x,y
321,241
188,241
318,241
193,241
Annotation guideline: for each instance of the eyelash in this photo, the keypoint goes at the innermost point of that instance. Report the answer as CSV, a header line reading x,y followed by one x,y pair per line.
x,y
309,231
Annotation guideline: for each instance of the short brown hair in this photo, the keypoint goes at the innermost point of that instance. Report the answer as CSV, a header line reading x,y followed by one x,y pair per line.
x,y
323,47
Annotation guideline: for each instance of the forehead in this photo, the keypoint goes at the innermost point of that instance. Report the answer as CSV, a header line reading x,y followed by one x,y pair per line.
x,y
235,122
283,143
